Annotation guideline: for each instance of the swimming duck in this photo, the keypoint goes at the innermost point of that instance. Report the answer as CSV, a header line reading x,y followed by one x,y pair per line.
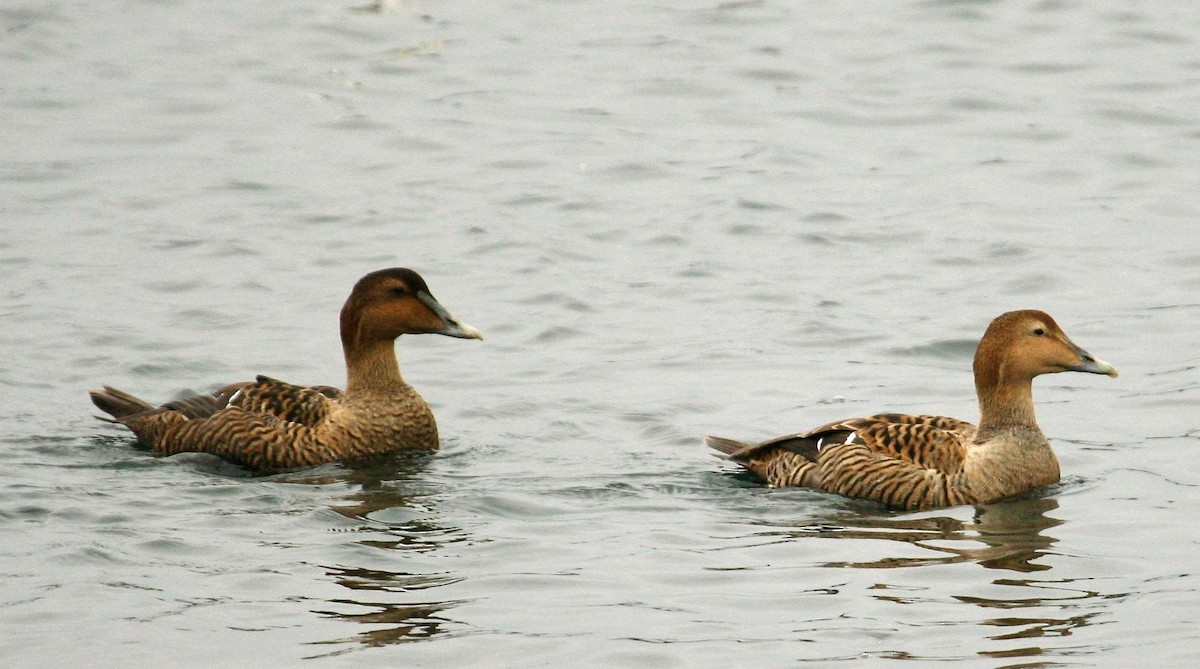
x,y
922,462
271,425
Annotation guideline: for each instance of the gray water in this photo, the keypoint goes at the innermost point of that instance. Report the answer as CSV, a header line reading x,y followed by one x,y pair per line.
x,y
670,219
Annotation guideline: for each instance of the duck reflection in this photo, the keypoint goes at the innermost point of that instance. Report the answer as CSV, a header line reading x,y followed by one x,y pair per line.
x,y
392,507
1063,594
402,624
1007,535
1014,534
397,622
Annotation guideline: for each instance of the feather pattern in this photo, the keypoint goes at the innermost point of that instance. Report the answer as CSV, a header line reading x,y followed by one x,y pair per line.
x,y
307,405
267,424
924,461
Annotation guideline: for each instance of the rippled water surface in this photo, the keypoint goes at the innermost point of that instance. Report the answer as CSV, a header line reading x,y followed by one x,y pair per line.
x,y
671,219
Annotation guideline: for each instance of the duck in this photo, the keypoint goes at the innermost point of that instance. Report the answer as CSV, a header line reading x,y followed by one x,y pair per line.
x,y
269,425
916,462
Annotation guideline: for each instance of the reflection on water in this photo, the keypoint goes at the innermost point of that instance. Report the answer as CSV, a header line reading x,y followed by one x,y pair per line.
x,y
393,622
375,475
402,623
1062,594
1011,534
391,509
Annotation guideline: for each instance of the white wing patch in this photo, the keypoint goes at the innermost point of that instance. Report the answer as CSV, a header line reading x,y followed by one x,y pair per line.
x,y
850,439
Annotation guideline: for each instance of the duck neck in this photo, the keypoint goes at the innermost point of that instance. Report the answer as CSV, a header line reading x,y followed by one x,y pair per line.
x,y
1005,407
371,368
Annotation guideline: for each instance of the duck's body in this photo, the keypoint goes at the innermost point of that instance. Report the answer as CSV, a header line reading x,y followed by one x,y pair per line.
x,y
920,462
269,425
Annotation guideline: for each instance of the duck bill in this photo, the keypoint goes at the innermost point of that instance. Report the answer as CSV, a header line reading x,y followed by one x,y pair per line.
x,y
451,327
1091,364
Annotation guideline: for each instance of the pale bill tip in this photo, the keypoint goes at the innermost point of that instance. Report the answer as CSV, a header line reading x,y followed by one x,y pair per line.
x,y
1106,368
469,332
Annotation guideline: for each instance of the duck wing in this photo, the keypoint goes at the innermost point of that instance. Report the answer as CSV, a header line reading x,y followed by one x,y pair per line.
x,y
909,462
257,440
900,460
891,433
934,442
265,424
306,405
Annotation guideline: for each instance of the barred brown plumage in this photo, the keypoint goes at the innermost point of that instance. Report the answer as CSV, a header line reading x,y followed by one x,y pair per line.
x,y
269,425
920,462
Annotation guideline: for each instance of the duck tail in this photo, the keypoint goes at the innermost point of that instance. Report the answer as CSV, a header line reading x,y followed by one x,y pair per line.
x,y
117,403
726,447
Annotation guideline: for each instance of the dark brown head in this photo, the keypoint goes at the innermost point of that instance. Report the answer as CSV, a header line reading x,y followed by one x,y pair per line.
x,y
1020,345
391,302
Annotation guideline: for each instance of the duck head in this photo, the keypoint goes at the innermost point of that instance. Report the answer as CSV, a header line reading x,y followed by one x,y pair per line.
x,y
1020,345
388,303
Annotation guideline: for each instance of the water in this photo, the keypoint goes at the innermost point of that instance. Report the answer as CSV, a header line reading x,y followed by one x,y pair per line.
x,y
671,219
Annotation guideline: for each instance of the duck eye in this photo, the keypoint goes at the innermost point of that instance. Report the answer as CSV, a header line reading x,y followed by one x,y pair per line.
x,y
1040,332
400,291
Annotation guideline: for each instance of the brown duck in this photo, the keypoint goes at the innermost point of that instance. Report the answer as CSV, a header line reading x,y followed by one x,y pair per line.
x,y
921,462
271,425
